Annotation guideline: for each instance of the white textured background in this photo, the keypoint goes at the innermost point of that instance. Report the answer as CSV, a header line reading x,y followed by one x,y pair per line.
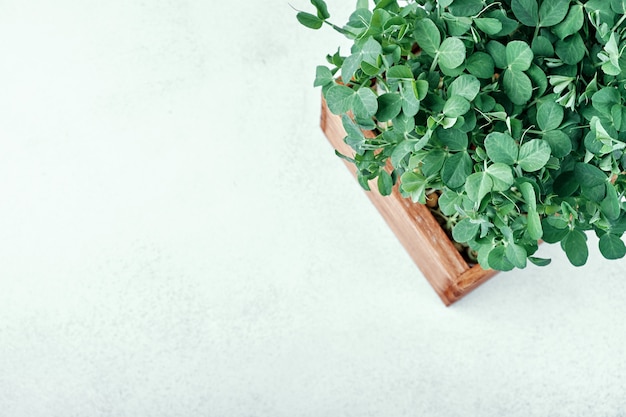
x,y
177,238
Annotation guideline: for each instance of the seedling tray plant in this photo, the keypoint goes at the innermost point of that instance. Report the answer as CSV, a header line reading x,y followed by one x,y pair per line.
x,y
511,111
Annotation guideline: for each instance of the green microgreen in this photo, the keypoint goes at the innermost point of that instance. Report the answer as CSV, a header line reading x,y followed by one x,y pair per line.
x,y
512,110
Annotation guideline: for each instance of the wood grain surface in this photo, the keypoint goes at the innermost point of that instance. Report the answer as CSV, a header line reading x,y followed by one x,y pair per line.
x,y
416,228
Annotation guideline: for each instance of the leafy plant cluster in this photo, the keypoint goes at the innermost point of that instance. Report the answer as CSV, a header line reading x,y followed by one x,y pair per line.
x,y
512,109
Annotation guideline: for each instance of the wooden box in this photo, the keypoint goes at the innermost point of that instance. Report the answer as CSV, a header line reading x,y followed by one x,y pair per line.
x,y
417,229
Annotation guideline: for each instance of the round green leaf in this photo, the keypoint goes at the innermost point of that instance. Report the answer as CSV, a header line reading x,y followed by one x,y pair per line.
x,y
453,139
456,169
533,155
478,185
365,103
480,64
575,246
501,175
466,86
414,184
612,247
498,53
549,115
497,259
309,20
466,7
452,52
559,142
427,36
571,50
552,12
385,183
517,86
339,98
610,206
526,11
389,106
465,230
519,56
501,148
588,175
456,106
542,47
573,22
488,25
516,254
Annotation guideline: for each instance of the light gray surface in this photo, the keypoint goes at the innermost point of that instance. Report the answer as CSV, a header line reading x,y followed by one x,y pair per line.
x,y
178,239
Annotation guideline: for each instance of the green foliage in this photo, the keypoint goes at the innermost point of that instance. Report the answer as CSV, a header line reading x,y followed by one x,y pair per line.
x,y
513,110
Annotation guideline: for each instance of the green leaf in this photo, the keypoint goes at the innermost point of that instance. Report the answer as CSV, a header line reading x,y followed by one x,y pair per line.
x,y
399,72
385,183
453,139
339,98
408,99
542,47
539,261
552,234
380,4
618,6
323,76
552,12
526,11
456,169
365,103
432,163
517,86
370,69
322,9
516,254
501,148
549,115
389,106
497,51
519,56
508,25
401,150
480,65
575,246
571,50
428,36
559,142
501,175
466,86
478,185
362,4
535,231
488,25
452,52
497,259
572,24
448,200
604,99
309,20
415,185
588,175
610,206
533,155
456,106
369,52
612,247
421,86
538,78
466,7
465,230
